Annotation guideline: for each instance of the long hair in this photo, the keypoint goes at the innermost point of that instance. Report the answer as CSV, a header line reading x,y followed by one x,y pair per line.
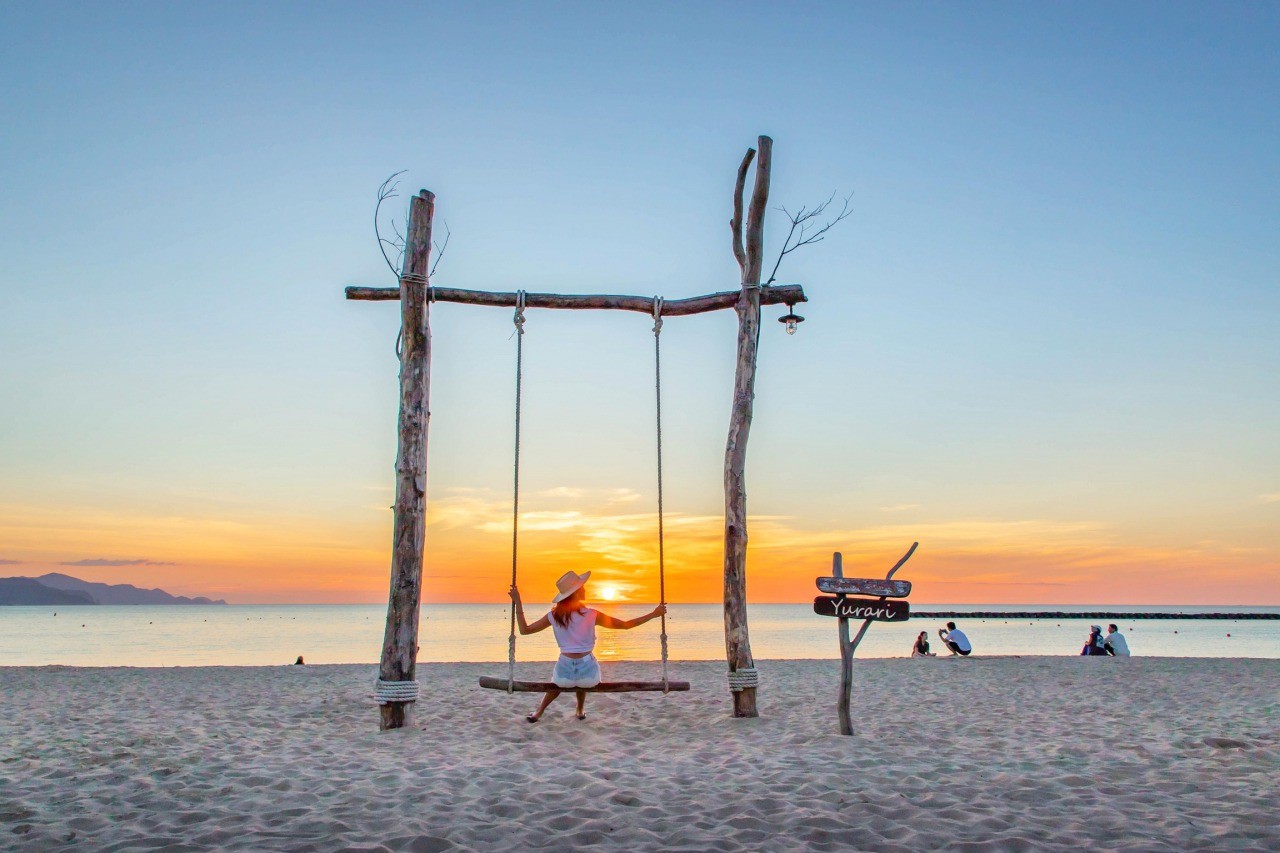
x,y
564,609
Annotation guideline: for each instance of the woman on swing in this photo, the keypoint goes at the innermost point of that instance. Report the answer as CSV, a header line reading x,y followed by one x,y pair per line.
x,y
574,625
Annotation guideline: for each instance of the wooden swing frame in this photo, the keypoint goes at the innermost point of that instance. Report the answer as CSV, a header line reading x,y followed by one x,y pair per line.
x,y
400,641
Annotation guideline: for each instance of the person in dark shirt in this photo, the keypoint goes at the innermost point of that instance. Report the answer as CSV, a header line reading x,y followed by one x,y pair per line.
x,y
1095,644
921,647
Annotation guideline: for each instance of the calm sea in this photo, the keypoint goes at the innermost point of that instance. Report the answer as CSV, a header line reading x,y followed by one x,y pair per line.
x,y
277,634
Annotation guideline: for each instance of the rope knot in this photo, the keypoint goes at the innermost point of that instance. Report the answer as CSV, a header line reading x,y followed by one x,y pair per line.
x,y
657,315
518,319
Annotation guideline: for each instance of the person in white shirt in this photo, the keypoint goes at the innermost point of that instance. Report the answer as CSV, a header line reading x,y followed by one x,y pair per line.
x,y
955,640
574,625
1115,643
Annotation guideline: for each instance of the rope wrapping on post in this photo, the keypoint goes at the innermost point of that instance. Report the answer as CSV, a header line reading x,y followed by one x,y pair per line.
x,y
662,571
743,679
518,320
412,278
386,692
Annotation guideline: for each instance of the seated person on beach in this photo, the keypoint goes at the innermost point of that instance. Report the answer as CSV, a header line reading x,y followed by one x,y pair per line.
x,y
574,625
1115,643
1094,645
921,647
955,639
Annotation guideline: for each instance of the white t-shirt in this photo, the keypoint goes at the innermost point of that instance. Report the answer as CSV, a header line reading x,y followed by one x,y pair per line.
x,y
957,636
577,636
1118,644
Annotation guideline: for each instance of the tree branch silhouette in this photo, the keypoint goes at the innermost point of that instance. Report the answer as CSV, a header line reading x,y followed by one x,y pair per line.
x,y
805,228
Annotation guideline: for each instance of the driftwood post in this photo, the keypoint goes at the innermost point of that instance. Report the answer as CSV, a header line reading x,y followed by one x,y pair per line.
x,y
846,656
750,257
400,642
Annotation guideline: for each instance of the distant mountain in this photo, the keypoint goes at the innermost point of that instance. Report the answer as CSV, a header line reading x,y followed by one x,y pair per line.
x,y
29,591
120,593
55,588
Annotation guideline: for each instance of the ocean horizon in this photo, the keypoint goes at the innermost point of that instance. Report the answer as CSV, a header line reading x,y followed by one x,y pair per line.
x,y
269,634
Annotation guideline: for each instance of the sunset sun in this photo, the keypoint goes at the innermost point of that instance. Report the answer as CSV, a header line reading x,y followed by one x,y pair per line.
x,y
607,591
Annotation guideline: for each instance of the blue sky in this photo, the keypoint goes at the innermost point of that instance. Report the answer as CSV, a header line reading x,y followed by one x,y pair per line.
x,y
1054,306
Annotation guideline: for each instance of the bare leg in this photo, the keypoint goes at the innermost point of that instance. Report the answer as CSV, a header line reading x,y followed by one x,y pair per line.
x,y
547,699
582,704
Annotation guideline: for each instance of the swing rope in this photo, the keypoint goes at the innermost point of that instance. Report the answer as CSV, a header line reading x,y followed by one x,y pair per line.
x,y
662,571
518,319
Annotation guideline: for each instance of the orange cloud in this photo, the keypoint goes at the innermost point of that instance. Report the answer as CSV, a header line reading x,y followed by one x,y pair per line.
x,y
971,560
254,556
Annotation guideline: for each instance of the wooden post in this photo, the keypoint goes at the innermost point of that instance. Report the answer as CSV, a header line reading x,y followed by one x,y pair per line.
x,y
751,260
846,656
400,642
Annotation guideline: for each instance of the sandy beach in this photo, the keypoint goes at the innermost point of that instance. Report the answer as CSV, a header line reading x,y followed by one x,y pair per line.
x,y
994,753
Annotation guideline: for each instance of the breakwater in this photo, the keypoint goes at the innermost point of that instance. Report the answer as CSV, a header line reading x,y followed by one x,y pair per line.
x,y
1099,614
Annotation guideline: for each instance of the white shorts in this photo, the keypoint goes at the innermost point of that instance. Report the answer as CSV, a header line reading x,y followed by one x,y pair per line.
x,y
576,672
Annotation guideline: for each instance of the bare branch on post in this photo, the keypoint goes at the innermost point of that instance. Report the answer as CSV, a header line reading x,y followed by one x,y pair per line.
x,y
750,260
440,247
400,641
736,223
387,190
803,221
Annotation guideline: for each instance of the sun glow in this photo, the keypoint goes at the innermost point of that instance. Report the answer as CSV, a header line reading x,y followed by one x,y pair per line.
x,y
606,591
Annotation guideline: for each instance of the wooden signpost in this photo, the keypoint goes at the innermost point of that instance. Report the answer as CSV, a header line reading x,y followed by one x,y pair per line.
x,y
869,610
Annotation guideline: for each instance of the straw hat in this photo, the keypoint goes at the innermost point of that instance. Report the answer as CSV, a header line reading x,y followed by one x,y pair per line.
x,y
569,583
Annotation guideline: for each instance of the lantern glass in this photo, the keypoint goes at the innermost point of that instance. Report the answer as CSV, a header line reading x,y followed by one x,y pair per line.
x,y
791,319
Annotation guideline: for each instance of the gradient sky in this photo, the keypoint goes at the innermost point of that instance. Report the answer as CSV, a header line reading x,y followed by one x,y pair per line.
x,y
1045,344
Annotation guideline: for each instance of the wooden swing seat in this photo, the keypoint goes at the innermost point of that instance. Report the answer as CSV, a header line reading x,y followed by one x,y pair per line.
x,y
603,687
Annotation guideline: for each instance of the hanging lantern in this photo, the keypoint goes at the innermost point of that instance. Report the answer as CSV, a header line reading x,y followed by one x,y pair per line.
x,y
791,319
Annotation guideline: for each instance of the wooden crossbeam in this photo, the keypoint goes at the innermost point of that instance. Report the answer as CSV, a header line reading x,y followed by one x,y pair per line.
x,y
779,294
